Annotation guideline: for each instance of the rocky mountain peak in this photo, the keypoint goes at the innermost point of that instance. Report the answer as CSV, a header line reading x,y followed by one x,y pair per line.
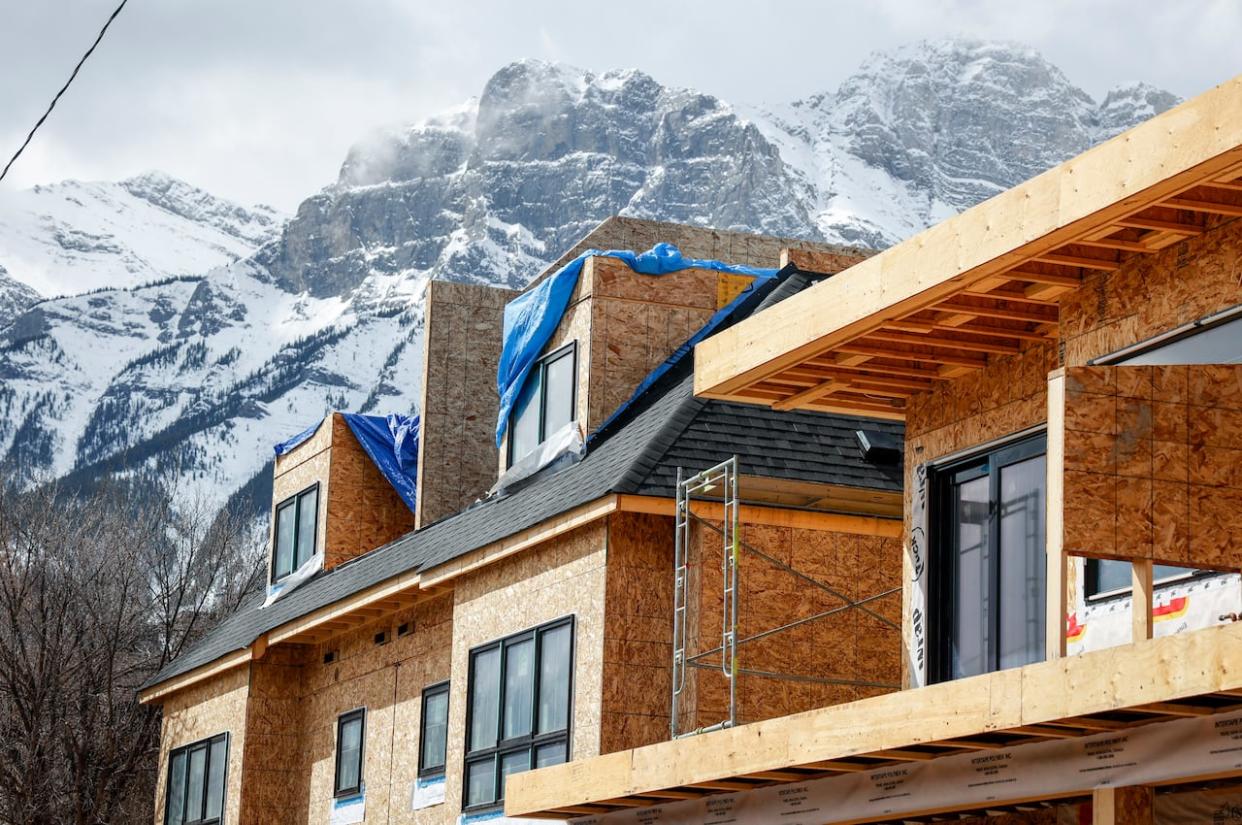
x,y
215,331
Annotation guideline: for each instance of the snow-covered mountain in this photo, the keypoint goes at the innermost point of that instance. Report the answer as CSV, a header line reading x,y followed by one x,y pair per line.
x,y
73,237
199,374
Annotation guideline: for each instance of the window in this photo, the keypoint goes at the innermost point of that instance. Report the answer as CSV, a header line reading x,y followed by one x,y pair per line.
x,y
350,733
294,539
1105,577
1204,342
988,565
433,733
546,402
196,776
517,711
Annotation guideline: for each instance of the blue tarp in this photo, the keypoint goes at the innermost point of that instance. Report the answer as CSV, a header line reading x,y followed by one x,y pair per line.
x,y
532,317
391,442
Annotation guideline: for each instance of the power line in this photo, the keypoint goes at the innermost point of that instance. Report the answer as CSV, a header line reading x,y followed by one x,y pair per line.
x,y
52,105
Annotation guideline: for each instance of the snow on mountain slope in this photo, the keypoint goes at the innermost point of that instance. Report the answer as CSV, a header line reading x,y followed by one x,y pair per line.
x,y
924,131
73,237
198,376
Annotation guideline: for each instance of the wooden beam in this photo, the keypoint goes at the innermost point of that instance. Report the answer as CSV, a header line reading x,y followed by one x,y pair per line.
x,y
863,348
1001,313
846,406
771,516
1123,176
1141,619
1047,292
1140,222
946,341
1164,669
1072,281
1057,562
1076,261
1211,207
818,391
1124,246
1224,186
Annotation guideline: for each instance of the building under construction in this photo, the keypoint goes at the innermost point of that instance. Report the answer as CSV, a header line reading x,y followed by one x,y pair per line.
x,y
743,529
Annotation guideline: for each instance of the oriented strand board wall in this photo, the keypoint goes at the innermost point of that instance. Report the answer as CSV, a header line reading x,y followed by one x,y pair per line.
x,y
462,339
386,679
214,707
1153,463
363,510
1147,295
848,646
637,321
565,576
638,632
274,785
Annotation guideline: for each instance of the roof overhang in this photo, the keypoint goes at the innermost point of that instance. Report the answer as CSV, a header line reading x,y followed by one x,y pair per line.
x,y
1189,674
986,282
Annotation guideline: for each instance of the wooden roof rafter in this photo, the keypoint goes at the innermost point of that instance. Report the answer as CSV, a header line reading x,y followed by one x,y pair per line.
x,y
988,282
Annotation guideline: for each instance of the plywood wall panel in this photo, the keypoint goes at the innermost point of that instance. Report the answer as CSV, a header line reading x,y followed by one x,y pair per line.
x,y
824,657
638,632
363,510
463,336
1154,463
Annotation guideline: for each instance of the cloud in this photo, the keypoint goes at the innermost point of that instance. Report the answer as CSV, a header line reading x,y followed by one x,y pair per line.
x,y
260,100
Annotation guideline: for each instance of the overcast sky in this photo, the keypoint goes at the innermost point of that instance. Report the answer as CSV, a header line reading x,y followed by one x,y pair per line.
x,y
258,100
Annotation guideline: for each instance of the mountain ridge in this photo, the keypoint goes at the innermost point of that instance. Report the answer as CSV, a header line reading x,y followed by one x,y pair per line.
x,y
203,373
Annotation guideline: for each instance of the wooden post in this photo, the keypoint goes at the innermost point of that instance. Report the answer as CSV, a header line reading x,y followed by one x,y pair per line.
x,y
1141,603
1123,806
1054,521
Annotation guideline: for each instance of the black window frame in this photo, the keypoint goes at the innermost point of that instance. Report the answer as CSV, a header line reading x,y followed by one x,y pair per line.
x,y
1092,591
531,742
296,500
541,366
224,781
339,792
438,689
943,604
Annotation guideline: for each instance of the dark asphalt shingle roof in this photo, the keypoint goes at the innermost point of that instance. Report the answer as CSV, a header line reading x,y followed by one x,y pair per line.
x,y
639,452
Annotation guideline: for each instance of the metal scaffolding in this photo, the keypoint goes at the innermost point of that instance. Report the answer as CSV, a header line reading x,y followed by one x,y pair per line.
x,y
719,485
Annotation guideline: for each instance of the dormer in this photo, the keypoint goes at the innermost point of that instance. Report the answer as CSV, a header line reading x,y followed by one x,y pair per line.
x,y
620,325
330,499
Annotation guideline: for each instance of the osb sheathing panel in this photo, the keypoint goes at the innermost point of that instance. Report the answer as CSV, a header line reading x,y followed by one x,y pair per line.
x,y
1147,295
363,510
274,786
205,710
1153,463
562,577
638,632
636,322
387,679
1150,294
462,339
847,646
694,241
304,465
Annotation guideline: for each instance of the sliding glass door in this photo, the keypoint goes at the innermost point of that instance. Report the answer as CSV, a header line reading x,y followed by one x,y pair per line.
x,y
989,565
